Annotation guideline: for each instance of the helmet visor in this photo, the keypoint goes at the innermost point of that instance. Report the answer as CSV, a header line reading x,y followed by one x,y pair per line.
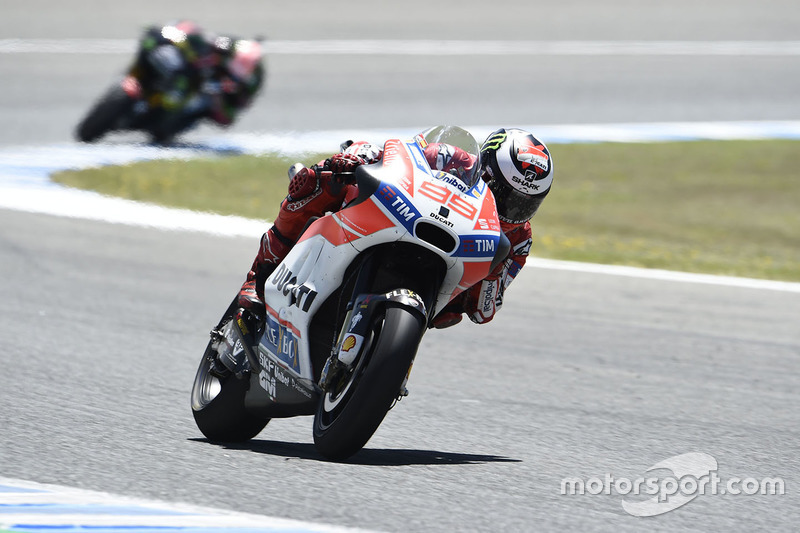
x,y
513,206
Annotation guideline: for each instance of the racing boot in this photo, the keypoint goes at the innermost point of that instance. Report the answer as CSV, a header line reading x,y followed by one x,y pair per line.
x,y
271,251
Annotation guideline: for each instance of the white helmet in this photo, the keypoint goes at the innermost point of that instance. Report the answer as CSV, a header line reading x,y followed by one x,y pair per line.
x,y
520,173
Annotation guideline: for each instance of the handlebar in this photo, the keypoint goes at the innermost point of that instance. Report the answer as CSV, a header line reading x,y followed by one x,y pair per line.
x,y
346,178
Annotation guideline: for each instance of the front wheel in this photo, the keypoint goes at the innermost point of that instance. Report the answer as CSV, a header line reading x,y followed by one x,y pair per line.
x,y
218,406
105,115
347,417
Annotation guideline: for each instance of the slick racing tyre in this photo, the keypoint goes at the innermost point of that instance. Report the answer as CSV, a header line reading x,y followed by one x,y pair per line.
x,y
347,417
218,406
105,115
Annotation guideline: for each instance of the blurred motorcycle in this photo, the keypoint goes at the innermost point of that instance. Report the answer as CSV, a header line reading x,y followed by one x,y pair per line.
x,y
180,76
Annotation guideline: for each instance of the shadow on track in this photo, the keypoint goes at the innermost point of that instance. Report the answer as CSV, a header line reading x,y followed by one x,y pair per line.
x,y
367,456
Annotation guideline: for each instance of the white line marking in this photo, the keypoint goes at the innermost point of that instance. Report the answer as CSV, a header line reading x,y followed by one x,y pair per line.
x,y
439,47
665,275
139,513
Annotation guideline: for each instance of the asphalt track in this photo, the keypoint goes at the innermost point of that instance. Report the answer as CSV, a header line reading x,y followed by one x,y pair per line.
x,y
586,374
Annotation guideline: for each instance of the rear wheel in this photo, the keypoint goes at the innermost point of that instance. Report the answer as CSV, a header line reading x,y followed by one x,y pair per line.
x,y
104,116
218,405
348,416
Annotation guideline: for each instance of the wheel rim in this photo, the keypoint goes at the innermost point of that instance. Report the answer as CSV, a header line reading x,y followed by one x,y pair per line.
x,y
206,386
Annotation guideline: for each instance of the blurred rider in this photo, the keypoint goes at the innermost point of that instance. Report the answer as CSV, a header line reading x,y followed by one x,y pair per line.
x,y
200,75
515,164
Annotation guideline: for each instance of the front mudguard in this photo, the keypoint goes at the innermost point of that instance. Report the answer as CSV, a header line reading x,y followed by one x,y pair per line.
x,y
357,327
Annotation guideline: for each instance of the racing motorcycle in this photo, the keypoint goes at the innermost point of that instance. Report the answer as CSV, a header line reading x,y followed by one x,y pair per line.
x,y
347,308
144,99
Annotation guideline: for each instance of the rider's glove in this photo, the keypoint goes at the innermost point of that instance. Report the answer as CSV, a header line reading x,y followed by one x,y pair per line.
x,y
484,299
345,163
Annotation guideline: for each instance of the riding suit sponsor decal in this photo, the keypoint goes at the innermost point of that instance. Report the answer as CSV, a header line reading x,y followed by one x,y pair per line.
x,y
296,205
523,248
488,296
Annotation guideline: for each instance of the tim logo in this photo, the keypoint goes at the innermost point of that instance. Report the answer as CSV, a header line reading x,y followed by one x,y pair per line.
x,y
403,211
477,246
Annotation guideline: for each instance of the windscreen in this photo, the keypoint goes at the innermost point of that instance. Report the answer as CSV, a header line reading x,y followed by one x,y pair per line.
x,y
453,150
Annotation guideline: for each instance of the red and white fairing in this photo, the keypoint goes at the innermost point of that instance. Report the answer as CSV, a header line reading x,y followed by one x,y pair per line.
x,y
414,204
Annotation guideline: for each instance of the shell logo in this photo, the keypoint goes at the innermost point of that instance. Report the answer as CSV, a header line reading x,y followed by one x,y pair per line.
x,y
348,343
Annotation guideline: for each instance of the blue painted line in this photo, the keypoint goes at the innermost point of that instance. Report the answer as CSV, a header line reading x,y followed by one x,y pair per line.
x,y
28,507
55,508
32,528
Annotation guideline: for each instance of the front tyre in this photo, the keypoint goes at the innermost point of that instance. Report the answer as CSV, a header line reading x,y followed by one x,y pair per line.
x,y
105,115
347,418
218,406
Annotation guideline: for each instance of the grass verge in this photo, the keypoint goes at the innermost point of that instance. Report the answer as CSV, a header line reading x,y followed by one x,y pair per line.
x,y
721,207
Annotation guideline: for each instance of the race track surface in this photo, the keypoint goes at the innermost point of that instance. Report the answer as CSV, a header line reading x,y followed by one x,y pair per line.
x,y
584,375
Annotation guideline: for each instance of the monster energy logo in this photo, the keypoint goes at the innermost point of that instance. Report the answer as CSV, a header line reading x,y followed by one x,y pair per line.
x,y
494,142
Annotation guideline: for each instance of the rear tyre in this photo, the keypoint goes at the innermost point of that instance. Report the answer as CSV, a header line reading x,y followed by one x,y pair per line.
x,y
348,417
104,116
218,406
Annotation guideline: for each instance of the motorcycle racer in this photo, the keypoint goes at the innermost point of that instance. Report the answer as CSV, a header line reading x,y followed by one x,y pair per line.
x,y
517,167
201,75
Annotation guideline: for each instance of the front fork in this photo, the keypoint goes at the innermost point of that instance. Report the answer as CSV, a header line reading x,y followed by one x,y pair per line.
x,y
356,334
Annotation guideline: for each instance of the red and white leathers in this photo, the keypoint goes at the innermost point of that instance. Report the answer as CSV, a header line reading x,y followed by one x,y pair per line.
x,y
310,196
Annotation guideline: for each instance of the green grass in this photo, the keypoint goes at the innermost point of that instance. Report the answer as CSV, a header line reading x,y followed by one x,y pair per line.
x,y
728,207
